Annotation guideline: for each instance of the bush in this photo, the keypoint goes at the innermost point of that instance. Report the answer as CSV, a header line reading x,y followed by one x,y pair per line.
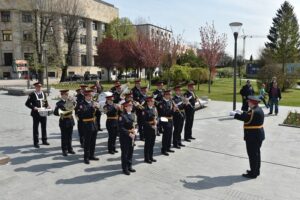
x,y
176,74
225,72
199,75
285,81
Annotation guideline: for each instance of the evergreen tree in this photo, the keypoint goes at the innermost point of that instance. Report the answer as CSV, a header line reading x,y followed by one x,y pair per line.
x,y
284,39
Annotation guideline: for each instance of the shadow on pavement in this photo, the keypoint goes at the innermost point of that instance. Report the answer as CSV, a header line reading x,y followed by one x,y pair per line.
x,y
207,182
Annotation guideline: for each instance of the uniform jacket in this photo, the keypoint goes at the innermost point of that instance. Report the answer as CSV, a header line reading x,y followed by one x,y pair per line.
x,y
111,111
65,122
192,99
136,93
165,108
125,124
36,100
149,116
246,91
253,124
178,100
159,95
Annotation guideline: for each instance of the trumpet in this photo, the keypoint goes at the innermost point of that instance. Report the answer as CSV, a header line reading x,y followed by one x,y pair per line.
x,y
177,109
138,105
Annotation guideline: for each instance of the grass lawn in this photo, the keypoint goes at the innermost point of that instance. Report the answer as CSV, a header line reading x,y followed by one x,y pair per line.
x,y
221,90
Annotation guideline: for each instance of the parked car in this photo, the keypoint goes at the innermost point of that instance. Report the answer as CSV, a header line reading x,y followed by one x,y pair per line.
x,y
88,77
74,77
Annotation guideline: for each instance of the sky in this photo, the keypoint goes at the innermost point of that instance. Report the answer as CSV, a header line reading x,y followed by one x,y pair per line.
x,y
187,16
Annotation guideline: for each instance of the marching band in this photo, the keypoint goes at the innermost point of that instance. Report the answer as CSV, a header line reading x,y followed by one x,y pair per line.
x,y
127,111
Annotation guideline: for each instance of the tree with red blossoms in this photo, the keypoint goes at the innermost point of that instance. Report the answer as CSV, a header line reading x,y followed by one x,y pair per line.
x,y
212,48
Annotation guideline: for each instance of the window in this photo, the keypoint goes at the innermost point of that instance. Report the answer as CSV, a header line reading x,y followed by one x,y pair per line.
x,y
26,17
51,74
7,35
95,41
95,26
8,59
5,16
27,36
71,73
82,39
83,60
82,24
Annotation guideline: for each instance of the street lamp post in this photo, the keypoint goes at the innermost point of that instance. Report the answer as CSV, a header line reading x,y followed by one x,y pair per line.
x,y
235,27
44,49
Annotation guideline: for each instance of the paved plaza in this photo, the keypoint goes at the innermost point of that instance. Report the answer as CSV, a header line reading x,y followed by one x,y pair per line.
x,y
208,168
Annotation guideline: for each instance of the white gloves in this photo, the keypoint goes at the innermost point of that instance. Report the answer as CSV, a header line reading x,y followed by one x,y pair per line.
x,y
232,113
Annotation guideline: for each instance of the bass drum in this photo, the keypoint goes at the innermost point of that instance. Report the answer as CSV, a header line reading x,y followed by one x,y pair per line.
x,y
102,99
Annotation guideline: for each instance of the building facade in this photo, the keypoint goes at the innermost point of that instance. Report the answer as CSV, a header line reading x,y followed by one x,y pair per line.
x,y
153,31
16,35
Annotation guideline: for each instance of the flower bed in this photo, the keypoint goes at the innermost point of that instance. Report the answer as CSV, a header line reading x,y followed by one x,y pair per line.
x,y
293,119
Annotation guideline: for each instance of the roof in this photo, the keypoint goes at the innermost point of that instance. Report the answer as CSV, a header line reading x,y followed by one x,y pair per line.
x,y
155,27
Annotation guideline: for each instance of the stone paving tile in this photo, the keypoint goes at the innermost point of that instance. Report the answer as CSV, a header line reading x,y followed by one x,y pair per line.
x,y
208,168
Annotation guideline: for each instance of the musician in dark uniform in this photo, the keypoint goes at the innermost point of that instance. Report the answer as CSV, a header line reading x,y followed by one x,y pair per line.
x,y
247,90
111,110
80,99
189,112
136,91
139,110
127,135
113,89
165,110
178,117
158,96
86,113
38,99
98,112
66,121
117,94
149,114
253,134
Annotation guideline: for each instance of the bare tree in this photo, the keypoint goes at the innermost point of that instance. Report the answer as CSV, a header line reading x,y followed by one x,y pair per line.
x,y
71,12
43,16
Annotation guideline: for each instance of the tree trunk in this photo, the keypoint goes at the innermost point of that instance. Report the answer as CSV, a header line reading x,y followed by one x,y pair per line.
x,y
63,73
150,78
108,74
199,82
126,74
209,81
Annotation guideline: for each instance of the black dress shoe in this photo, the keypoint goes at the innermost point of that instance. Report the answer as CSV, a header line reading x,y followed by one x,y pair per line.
x,y
148,161
142,139
93,158
100,129
176,146
126,172
182,145
82,146
187,140
153,160
170,151
249,172
164,153
157,134
249,176
64,153
71,152
192,138
111,152
87,161
131,170
46,143
115,151
36,146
